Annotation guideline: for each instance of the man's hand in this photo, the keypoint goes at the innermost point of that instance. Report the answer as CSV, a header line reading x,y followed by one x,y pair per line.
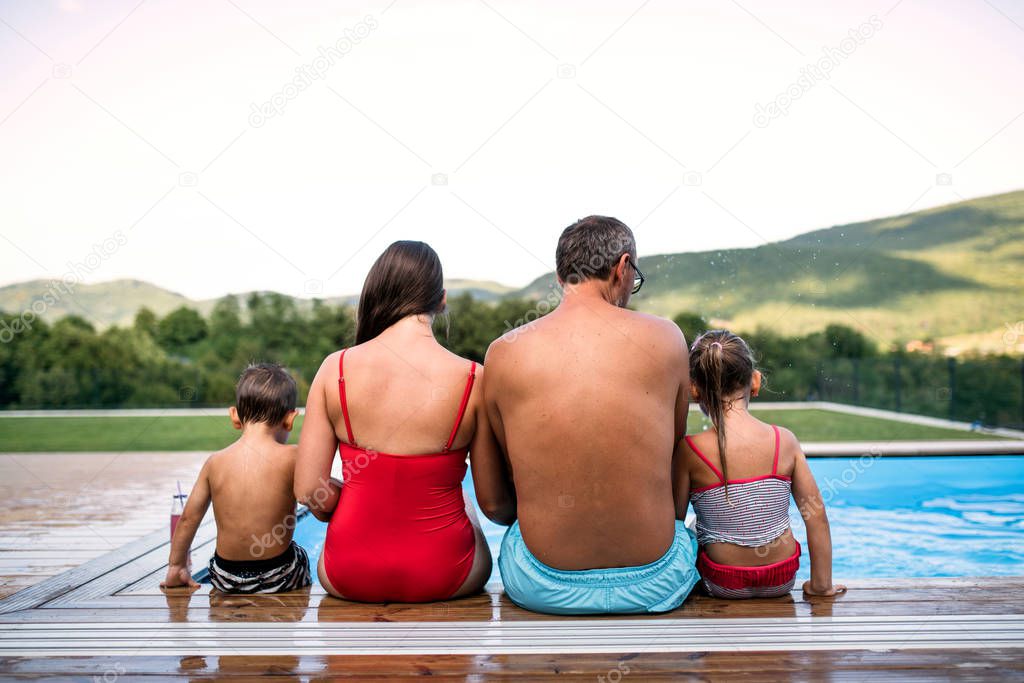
x,y
828,592
178,576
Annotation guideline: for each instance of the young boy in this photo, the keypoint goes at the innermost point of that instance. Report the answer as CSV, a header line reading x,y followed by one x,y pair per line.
x,y
250,485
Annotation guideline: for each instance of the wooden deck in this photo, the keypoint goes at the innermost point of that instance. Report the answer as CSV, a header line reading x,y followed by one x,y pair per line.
x,y
59,510
107,620
935,629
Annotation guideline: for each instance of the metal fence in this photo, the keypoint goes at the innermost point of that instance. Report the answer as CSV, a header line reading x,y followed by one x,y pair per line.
x,y
987,391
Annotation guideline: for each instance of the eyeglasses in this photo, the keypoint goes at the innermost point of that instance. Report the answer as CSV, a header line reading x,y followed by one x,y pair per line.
x,y
638,278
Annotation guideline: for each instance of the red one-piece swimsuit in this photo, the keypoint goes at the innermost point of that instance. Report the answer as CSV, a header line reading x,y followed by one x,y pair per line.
x,y
400,532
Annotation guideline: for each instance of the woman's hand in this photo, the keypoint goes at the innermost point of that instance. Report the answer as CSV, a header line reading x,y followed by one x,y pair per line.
x,y
827,592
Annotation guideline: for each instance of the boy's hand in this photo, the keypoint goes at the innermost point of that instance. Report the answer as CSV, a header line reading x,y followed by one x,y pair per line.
x,y
830,591
178,576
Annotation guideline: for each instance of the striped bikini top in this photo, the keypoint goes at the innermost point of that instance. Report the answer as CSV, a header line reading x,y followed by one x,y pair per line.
x,y
756,513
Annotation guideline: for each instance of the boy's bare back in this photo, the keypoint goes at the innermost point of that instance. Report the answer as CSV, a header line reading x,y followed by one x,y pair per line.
x,y
250,484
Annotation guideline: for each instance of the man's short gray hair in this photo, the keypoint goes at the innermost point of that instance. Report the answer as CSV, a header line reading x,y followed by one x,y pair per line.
x,y
591,247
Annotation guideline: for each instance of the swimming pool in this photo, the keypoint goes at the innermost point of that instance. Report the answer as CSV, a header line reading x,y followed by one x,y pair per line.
x,y
890,517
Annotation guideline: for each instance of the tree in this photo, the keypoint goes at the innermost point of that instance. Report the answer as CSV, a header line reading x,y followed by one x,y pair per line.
x,y
225,327
182,328
845,342
146,322
692,325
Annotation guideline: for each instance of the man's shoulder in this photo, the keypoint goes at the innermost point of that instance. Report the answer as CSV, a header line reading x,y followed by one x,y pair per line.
x,y
510,342
656,327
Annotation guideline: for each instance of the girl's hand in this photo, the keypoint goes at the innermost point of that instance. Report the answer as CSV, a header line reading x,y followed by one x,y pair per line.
x,y
833,590
178,576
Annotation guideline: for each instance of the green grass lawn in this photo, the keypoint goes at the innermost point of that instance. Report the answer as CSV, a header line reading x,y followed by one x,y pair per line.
x,y
34,434
118,434
825,425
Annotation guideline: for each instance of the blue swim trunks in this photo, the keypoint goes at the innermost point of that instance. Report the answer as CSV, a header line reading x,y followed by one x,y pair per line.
x,y
656,587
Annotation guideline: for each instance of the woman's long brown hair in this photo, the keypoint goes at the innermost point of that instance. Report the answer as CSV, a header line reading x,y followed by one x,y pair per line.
x,y
405,280
721,364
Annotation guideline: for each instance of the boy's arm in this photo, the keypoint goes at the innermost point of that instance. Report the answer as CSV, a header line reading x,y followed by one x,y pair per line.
x,y
819,537
492,478
313,485
178,569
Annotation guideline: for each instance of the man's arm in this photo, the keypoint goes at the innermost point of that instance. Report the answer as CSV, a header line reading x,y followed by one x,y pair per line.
x,y
681,365
318,443
179,573
492,478
680,480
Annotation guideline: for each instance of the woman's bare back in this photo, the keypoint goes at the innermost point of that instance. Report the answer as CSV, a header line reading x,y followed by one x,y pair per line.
x,y
403,398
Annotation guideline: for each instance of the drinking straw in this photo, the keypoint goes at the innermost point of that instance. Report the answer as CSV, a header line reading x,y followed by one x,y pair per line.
x,y
181,495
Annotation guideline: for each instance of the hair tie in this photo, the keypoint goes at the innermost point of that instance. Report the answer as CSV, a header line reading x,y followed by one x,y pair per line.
x,y
718,344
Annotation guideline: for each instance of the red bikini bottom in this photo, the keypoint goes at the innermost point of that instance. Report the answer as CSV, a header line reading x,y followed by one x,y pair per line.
x,y
727,581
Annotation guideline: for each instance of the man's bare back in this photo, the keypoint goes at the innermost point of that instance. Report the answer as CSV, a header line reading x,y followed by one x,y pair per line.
x,y
589,403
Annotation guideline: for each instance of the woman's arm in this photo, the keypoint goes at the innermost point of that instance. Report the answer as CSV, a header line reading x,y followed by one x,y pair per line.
x,y
179,573
492,477
318,443
819,537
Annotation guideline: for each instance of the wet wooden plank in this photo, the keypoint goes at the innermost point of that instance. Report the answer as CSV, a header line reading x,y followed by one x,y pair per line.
x,y
985,664
996,597
103,566
82,504
568,636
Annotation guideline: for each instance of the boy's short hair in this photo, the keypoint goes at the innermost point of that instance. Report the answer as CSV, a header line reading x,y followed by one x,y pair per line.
x,y
265,393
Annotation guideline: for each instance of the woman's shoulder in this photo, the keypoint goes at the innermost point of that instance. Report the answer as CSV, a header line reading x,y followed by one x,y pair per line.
x,y
461,362
332,362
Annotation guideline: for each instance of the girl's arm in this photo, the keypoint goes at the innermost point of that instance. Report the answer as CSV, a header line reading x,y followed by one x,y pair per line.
x,y
318,443
680,480
819,537
179,573
492,477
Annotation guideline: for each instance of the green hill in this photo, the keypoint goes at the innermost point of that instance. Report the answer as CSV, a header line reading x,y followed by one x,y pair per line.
x,y
103,304
951,271
116,302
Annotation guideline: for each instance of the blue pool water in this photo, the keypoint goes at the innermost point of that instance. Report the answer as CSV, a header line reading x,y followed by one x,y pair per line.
x,y
890,517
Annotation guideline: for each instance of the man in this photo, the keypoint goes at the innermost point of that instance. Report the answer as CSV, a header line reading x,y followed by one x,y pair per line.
x,y
588,403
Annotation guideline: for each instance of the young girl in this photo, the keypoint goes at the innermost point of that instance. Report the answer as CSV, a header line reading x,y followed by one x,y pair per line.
x,y
739,475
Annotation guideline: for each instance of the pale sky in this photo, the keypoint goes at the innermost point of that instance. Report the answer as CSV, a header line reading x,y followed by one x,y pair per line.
x,y
131,122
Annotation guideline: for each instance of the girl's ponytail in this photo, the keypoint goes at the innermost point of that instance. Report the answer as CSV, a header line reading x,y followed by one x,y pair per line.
x,y
721,364
716,402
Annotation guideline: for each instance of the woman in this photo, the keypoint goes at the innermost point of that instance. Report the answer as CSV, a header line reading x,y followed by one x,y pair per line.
x,y
403,412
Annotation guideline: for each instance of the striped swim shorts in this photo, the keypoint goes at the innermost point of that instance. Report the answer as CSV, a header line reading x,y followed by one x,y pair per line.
x,y
287,572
